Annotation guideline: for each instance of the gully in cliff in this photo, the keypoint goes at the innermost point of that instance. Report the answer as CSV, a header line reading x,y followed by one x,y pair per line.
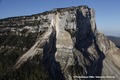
x,y
61,44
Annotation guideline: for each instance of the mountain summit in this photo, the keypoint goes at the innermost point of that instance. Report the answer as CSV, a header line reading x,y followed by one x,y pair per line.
x,y
61,44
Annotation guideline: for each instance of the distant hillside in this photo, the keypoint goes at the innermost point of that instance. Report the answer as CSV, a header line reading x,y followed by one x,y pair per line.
x,y
116,40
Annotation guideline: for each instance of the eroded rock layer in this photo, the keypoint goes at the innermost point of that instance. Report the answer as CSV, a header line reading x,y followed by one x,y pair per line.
x,y
56,45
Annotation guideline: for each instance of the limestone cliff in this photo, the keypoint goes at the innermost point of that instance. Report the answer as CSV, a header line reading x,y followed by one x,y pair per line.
x,y
56,45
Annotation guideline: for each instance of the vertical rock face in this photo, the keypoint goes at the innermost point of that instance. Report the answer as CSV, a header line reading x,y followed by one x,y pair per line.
x,y
64,42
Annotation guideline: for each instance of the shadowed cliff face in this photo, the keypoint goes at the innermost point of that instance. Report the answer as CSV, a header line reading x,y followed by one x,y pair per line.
x,y
57,45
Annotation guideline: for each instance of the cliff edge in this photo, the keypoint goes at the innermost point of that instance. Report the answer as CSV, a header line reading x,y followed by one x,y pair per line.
x,y
61,44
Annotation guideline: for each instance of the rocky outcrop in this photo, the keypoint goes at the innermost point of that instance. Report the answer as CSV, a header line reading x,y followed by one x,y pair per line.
x,y
65,41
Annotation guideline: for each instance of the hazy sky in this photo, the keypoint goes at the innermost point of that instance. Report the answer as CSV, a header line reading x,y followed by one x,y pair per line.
x,y
107,11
